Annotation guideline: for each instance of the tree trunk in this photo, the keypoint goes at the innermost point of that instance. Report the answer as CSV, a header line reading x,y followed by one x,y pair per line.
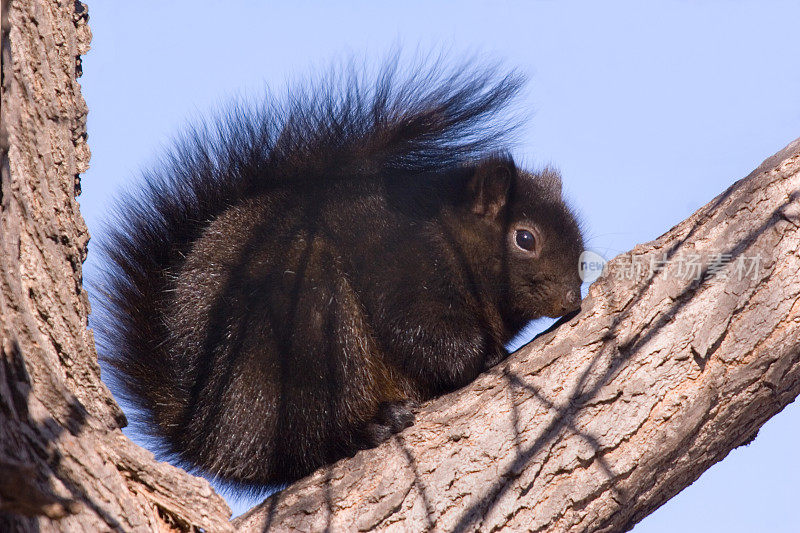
x,y
682,350
64,464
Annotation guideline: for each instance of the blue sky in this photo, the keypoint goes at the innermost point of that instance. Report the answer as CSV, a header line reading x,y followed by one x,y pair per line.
x,y
649,109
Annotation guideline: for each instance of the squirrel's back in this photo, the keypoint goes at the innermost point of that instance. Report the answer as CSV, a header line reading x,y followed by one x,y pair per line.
x,y
295,277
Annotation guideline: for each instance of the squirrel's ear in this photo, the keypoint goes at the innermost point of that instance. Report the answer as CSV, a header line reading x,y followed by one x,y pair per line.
x,y
490,185
550,179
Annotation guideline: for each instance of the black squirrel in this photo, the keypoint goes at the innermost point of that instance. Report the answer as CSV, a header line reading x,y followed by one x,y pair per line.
x,y
295,278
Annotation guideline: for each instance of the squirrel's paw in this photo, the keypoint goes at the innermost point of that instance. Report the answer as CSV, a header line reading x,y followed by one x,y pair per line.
x,y
498,355
392,417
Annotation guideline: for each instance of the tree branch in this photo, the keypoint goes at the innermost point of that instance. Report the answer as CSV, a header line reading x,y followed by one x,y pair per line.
x,y
601,420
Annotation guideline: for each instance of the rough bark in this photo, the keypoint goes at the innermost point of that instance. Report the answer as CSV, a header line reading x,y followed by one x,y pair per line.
x,y
589,428
599,421
64,464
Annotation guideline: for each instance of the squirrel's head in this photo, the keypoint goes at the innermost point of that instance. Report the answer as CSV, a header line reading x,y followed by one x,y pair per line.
x,y
537,259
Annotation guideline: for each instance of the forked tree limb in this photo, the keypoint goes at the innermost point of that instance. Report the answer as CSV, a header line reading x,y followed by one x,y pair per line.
x,y
588,428
681,351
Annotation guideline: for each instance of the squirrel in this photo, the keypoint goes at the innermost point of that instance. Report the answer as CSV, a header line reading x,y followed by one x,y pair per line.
x,y
295,278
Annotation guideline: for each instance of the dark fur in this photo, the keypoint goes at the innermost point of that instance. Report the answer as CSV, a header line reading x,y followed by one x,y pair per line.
x,y
291,281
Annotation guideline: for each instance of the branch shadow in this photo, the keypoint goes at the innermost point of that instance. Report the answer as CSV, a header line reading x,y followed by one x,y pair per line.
x,y
30,456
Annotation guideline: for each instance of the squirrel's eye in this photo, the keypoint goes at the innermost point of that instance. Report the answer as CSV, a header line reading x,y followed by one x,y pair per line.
x,y
525,240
